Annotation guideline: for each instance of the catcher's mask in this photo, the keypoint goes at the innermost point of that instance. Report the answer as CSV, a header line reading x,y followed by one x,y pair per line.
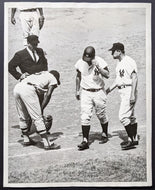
x,y
56,75
89,54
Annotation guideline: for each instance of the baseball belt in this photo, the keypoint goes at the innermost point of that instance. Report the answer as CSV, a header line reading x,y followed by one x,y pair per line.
x,y
92,90
28,10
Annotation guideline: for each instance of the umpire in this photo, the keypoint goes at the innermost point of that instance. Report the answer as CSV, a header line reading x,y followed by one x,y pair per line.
x,y
91,71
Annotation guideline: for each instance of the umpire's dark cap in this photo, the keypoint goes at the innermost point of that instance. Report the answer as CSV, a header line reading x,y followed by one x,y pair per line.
x,y
89,54
117,46
56,75
32,38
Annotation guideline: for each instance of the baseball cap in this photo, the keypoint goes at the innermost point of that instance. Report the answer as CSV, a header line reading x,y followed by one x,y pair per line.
x,y
117,46
56,75
89,53
32,38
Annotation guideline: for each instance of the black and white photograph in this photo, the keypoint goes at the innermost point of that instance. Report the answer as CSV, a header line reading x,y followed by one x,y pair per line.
x,y
77,94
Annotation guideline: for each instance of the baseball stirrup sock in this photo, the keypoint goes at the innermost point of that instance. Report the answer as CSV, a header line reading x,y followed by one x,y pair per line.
x,y
129,131
105,128
85,131
134,129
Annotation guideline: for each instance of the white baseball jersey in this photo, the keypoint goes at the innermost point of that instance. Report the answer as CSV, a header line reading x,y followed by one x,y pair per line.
x,y
43,79
124,69
90,79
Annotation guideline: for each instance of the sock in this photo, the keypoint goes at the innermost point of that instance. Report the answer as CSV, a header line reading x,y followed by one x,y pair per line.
x,y
134,129
129,131
105,128
85,132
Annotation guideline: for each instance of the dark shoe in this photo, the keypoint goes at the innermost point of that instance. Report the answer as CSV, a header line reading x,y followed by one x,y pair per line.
x,y
129,145
52,147
124,143
103,140
29,143
135,143
84,145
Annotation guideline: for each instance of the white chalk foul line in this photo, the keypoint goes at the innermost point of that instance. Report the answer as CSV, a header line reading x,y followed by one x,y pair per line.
x,y
38,153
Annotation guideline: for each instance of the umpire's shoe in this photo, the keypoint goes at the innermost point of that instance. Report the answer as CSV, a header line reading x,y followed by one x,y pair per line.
x,y
84,145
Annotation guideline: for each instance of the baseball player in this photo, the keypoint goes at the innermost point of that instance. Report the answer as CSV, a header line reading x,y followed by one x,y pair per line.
x,y
91,71
28,105
32,20
126,81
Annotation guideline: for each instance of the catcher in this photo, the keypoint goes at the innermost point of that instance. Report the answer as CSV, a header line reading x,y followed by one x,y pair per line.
x,y
29,108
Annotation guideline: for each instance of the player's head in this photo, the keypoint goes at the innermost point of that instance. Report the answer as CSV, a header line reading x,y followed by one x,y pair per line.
x,y
117,49
32,41
88,54
56,75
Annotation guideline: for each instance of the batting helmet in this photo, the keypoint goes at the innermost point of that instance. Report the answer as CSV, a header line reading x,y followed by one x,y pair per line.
x,y
89,54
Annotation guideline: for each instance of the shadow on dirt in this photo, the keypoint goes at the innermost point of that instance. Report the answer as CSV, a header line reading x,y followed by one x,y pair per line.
x,y
15,127
97,135
38,141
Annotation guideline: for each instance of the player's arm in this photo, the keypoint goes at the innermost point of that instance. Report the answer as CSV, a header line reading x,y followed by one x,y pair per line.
x,y
47,97
112,87
78,81
41,18
13,64
133,87
13,20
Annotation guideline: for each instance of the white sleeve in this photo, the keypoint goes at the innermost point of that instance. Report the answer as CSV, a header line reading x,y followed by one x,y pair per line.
x,y
77,66
52,81
132,67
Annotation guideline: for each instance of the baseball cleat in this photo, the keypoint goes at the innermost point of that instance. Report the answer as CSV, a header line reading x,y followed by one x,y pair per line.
x,y
129,145
84,145
124,143
29,143
52,147
103,140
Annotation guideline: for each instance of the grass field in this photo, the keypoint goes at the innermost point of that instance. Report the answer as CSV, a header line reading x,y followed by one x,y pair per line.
x,y
65,34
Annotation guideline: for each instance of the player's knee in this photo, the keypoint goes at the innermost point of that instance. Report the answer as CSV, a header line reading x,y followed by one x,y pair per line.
x,y
85,120
124,121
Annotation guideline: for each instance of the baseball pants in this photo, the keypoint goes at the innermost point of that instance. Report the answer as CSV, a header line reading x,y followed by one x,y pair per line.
x,y
126,111
90,100
28,106
30,24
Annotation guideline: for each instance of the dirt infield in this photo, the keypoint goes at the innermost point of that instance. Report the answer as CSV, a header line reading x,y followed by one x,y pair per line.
x,y
65,34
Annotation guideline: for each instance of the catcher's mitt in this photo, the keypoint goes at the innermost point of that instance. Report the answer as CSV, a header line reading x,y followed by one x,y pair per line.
x,y
48,120
41,22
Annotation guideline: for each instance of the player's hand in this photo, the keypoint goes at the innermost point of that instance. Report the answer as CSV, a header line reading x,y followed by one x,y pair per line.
x,y
132,100
24,75
77,95
13,21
